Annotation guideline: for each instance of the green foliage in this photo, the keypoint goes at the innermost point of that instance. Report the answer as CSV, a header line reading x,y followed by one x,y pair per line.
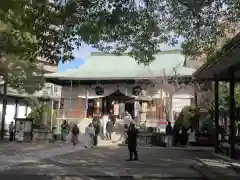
x,y
40,28
35,28
31,30
37,110
24,76
224,95
205,25
206,97
187,117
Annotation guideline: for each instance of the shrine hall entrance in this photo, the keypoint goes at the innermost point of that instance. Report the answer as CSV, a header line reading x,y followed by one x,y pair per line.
x,y
117,98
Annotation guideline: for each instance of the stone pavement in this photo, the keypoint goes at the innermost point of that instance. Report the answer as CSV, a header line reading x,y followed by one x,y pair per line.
x,y
217,168
109,163
14,148
20,153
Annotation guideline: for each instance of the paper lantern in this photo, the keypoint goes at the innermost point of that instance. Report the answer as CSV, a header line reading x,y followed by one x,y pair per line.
x,y
99,91
137,90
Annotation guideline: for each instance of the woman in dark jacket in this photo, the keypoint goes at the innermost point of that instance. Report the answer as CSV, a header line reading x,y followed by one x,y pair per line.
x,y
97,128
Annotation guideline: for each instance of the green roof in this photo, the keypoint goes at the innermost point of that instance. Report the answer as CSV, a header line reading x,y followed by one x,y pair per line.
x,y
103,66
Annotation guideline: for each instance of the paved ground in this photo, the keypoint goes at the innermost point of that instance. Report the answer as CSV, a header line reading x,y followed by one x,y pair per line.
x,y
66,162
14,148
62,161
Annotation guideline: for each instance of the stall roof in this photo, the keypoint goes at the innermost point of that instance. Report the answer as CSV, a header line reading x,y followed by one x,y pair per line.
x,y
220,68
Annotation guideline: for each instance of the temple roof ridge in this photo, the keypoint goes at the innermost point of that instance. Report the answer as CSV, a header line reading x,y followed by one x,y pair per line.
x,y
99,66
171,51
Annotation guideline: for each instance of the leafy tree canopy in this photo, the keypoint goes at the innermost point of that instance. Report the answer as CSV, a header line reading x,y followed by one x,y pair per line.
x,y
30,29
141,26
119,25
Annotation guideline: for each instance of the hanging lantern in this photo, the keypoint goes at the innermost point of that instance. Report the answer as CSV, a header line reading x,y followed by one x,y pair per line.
x,y
137,90
143,93
99,90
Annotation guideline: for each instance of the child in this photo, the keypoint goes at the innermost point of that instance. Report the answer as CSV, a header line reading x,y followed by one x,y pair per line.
x,y
20,135
191,137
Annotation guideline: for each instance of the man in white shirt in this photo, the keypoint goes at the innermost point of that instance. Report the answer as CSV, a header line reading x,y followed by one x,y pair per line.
x,y
127,120
105,119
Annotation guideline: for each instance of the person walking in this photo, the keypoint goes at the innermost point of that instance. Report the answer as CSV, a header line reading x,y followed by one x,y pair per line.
x,y
105,120
96,126
89,134
109,130
112,117
191,137
127,120
169,134
176,135
132,134
75,133
11,131
64,130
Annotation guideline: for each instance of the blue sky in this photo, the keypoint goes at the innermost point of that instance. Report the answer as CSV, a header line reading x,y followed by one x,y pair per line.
x,y
82,53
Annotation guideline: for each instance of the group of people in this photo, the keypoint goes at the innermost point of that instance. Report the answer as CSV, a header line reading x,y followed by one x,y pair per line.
x,y
179,136
100,125
19,135
69,132
103,125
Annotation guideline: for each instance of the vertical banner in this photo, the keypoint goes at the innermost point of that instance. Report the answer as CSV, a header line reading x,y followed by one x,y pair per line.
x,y
86,102
116,109
79,106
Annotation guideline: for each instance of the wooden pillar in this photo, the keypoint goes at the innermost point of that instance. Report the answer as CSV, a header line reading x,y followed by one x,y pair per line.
x,y
216,115
52,112
26,108
232,113
4,105
16,108
196,104
195,95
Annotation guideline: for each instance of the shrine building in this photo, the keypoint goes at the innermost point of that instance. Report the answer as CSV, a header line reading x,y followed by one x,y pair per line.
x,y
105,80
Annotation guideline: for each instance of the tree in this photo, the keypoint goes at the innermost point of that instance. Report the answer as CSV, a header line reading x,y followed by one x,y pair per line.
x,y
205,25
38,108
166,87
187,117
139,27
206,96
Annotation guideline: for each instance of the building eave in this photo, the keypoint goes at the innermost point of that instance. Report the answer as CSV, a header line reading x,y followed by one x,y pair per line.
x,y
219,68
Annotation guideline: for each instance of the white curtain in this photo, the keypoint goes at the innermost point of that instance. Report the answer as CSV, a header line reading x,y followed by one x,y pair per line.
x,y
150,91
108,90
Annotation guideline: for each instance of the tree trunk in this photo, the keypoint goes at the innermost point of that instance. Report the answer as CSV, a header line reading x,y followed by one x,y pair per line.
x,y
4,106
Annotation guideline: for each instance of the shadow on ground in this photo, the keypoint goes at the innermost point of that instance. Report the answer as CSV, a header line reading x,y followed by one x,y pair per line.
x,y
109,162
